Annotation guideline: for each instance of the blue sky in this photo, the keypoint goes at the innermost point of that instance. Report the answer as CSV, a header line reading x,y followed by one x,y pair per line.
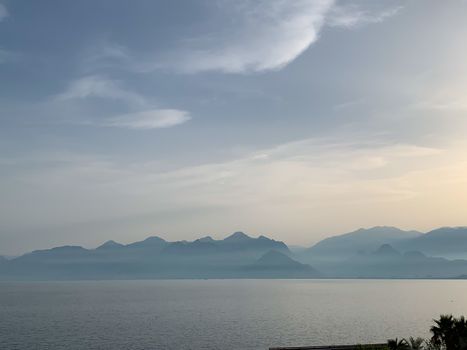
x,y
293,119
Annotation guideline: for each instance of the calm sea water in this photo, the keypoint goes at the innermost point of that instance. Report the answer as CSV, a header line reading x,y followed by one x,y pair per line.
x,y
220,314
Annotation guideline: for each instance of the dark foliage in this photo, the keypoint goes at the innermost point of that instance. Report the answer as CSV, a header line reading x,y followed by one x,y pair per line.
x,y
450,333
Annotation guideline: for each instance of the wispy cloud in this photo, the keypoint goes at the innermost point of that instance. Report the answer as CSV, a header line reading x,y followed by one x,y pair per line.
x,y
274,189
351,16
103,54
449,98
101,87
454,105
262,35
150,119
265,35
349,104
143,115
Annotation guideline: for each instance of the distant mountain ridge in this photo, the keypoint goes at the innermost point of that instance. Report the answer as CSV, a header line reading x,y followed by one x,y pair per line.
x,y
361,240
450,242
388,252
238,241
153,257
387,262
378,252
110,245
444,241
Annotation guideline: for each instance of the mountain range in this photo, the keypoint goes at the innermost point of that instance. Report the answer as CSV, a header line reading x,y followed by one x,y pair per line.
x,y
359,241
440,253
448,242
236,256
378,252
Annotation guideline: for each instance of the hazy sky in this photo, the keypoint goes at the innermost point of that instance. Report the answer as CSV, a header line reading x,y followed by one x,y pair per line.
x,y
296,119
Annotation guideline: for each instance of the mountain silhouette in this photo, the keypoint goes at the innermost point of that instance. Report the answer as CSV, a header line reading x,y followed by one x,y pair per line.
x,y
449,242
387,262
206,239
237,237
150,242
378,252
110,245
386,250
153,257
362,240
273,258
279,263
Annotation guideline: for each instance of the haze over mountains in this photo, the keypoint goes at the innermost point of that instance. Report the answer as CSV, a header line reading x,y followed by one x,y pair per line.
x,y
362,240
378,252
237,256
388,252
449,242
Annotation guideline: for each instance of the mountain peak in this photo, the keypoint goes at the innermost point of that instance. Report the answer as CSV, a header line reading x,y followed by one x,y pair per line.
x,y
461,230
383,230
206,239
154,239
237,237
149,242
110,244
387,250
362,240
264,238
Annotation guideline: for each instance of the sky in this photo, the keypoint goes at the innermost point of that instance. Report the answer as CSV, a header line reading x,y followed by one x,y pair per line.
x,y
293,119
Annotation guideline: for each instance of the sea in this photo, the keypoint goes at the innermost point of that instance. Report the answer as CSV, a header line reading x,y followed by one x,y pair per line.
x,y
220,314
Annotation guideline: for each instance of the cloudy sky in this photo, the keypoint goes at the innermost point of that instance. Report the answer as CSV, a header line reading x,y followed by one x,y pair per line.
x,y
297,119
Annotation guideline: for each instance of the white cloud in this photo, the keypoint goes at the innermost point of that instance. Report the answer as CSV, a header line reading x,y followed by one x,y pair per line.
x,y
261,35
351,16
104,54
101,87
265,35
3,12
142,115
149,119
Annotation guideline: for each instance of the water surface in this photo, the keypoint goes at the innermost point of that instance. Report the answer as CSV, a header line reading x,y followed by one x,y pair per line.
x,y
220,314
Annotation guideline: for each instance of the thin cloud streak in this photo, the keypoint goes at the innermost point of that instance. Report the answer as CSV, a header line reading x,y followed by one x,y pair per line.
x,y
347,16
145,117
290,178
100,87
295,188
150,119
